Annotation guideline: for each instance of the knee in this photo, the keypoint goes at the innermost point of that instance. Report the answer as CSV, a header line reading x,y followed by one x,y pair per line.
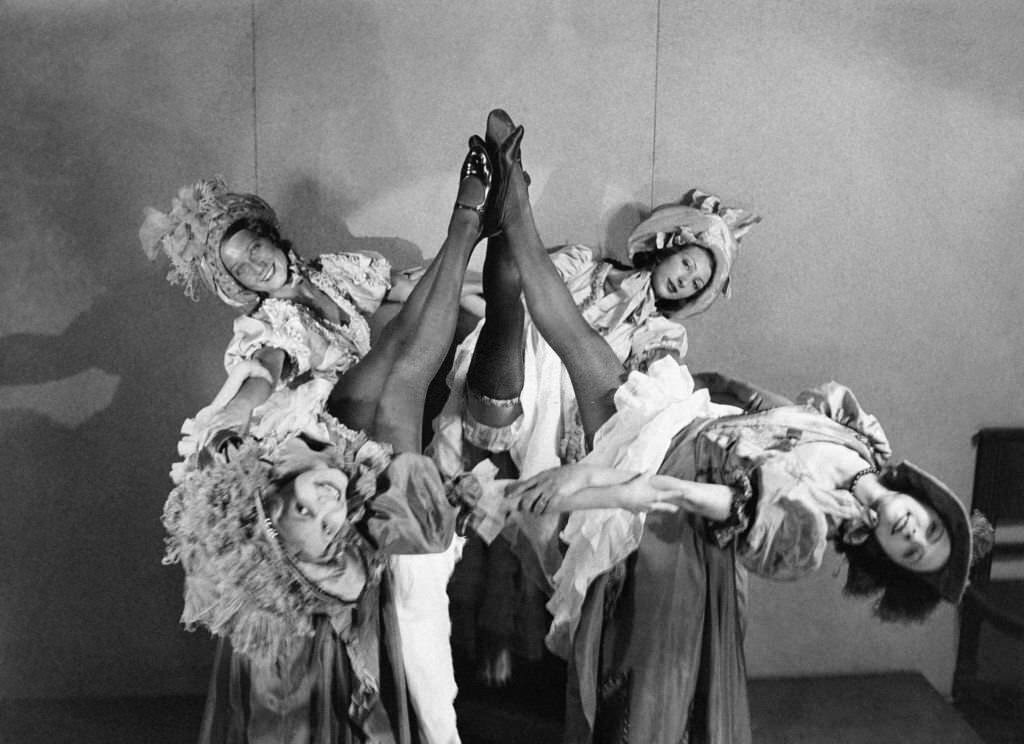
x,y
354,411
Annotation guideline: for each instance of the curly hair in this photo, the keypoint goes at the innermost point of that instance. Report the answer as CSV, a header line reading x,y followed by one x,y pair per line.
x,y
904,596
649,260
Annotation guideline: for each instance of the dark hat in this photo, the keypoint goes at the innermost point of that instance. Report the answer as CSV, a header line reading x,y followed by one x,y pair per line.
x,y
951,579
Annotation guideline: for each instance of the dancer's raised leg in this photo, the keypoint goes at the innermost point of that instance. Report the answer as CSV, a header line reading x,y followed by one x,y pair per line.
x,y
495,376
594,369
386,397
385,392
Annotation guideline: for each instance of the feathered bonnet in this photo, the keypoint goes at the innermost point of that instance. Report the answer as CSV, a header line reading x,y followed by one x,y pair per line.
x,y
698,218
239,582
191,233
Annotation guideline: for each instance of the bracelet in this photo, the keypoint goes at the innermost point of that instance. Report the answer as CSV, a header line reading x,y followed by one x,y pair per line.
x,y
738,521
857,476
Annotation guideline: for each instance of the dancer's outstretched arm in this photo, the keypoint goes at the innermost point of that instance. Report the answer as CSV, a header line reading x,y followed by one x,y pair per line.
x,y
585,486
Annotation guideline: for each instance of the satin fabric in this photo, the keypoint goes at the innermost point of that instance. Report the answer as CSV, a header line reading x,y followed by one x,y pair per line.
x,y
658,655
311,697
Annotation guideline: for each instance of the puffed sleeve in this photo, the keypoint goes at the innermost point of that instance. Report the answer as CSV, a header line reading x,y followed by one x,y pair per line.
x,y
571,260
657,337
275,325
839,404
413,515
365,277
789,530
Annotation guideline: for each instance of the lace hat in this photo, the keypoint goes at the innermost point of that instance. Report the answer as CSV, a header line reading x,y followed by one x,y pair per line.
x,y
698,218
239,581
191,233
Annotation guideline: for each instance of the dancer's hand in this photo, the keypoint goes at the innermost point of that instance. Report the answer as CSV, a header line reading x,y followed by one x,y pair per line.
x,y
403,283
222,444
556,483
235,416
583,486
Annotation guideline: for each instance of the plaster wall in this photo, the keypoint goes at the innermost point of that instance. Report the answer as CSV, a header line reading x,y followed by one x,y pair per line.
x,y
881,142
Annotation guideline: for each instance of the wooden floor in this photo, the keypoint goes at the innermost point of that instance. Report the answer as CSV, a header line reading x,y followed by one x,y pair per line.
x,y
897,708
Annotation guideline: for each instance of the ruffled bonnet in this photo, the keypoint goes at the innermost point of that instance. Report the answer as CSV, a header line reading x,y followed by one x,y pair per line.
x,y
697,218
239,583
191,233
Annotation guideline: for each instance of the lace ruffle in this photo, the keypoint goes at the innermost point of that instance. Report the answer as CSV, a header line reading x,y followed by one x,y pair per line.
x,y
490,438
738,521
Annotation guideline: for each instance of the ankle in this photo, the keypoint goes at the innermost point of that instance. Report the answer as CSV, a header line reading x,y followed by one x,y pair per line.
x,y
522,236
464,223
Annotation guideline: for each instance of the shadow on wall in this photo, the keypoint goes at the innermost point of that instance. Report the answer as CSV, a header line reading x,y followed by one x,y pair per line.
x,y
619,224
83,494
313,220
83,498
82,503
85,605
938,45
102,118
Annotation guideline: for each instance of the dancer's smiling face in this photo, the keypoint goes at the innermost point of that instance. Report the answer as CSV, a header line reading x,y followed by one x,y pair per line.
x,y
683,274
309,514
911,533
255,261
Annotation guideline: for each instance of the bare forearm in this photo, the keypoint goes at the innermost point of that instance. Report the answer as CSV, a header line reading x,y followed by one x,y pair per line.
x,y
254,392
257,388
606,496
709,500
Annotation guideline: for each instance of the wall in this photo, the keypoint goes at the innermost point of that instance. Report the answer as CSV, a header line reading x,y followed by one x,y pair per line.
x,y
881,141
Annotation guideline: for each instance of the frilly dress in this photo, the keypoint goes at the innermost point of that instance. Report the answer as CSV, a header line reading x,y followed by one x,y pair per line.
x,y
331,690
345,683
656,654
318,351
549,432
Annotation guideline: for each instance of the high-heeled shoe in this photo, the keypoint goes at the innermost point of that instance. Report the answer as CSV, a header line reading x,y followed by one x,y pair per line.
x,y
477,165
506,155
499,128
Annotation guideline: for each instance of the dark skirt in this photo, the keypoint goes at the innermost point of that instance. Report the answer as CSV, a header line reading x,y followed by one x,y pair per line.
x,y
658,656
306,698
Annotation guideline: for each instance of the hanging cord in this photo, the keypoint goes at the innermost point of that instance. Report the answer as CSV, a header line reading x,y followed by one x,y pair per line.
x,y
657,65
255,117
